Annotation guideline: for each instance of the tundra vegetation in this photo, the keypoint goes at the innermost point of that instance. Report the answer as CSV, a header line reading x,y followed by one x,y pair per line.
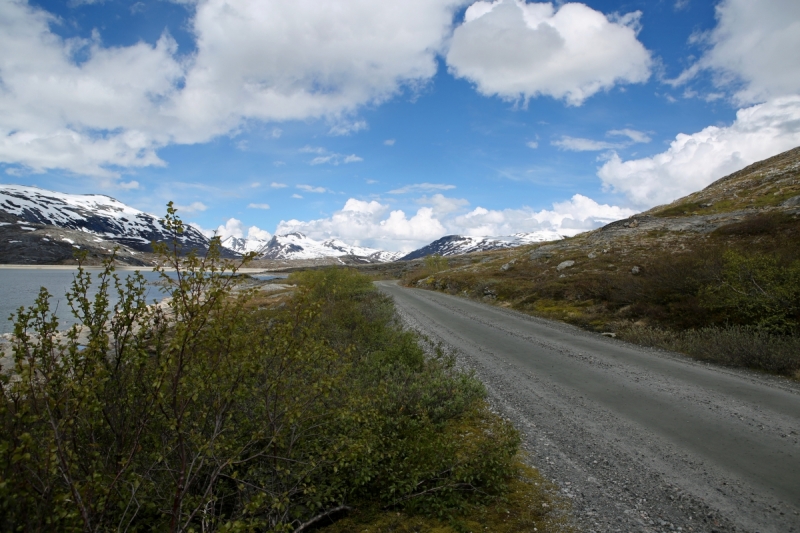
x,y
210,412
731,296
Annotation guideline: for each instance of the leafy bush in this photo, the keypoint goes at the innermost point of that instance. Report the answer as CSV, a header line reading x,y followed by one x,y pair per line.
x,y
201,413
759,291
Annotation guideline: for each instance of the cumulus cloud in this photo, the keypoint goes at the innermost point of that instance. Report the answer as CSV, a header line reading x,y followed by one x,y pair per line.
x,y
694,161
82,117
517,50
422,187
754,46
532,144
389,142
299,59
276,185
370,223
78,105
258,206
234,227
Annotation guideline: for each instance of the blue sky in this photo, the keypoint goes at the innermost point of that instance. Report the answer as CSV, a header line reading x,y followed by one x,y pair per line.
x,y
390,124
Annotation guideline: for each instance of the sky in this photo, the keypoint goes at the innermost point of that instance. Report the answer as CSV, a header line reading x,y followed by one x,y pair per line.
x,y
392,123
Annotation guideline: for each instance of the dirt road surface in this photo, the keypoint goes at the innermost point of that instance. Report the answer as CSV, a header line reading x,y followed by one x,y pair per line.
x,y
637,439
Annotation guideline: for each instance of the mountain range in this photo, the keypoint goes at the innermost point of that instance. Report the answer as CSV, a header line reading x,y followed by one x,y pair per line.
x,y
38,226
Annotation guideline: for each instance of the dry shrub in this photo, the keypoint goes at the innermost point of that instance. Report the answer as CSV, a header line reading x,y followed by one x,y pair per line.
x,y
731,346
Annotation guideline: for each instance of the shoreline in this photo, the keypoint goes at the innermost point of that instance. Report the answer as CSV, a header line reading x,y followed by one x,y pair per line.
x,y
126,268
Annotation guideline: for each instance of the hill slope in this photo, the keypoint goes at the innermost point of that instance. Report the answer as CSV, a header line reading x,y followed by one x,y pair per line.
x,y
725,256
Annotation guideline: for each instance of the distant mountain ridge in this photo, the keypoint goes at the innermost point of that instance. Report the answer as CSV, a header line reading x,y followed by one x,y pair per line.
x,y
98,222
98,214
460,244
296,245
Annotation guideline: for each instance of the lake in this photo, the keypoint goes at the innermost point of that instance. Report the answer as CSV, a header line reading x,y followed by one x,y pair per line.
x,y
20,287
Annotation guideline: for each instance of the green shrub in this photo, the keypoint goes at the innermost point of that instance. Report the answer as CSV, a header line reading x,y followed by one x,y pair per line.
x,y
731,346
201,413
757,290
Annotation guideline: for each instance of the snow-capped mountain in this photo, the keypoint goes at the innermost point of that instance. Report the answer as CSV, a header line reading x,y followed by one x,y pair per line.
x,y
464,244
92,213
243,245
299,246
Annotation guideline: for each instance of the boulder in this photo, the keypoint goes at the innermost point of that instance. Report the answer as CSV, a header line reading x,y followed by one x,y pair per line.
x,y
794,201
565,264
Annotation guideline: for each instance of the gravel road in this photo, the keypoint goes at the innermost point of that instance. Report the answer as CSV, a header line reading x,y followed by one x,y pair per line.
x,y
638,439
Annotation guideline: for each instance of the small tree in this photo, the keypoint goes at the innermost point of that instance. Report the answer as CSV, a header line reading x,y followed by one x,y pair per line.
x,y
436,263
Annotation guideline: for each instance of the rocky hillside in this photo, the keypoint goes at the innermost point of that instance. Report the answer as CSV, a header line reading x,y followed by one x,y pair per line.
x,y
704,260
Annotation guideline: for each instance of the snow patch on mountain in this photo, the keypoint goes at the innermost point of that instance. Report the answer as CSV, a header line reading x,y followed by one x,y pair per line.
x,y
298,246
244,245
465,244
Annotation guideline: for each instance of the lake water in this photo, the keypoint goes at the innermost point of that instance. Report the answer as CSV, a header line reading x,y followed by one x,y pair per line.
x,y
20,287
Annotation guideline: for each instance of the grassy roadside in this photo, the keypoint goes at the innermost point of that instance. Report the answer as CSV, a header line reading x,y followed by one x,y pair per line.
x,y
731,297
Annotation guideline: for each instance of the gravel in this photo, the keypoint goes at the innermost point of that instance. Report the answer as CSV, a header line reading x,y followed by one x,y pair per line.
x,y
620,473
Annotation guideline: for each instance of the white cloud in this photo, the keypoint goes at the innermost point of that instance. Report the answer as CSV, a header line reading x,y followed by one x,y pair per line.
x,y
258,206
514,50
443,204
370,223
129,185
753,47
276,185
634,135
694,161
264,61
532,144
300,59
194,207
389,142
311,188
331,158
579,144
422,187
276,133
297,196
254,232
82,117
234,227
348,128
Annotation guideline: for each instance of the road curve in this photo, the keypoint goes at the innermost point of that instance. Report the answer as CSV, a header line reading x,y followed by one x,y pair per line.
x,y
638,439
